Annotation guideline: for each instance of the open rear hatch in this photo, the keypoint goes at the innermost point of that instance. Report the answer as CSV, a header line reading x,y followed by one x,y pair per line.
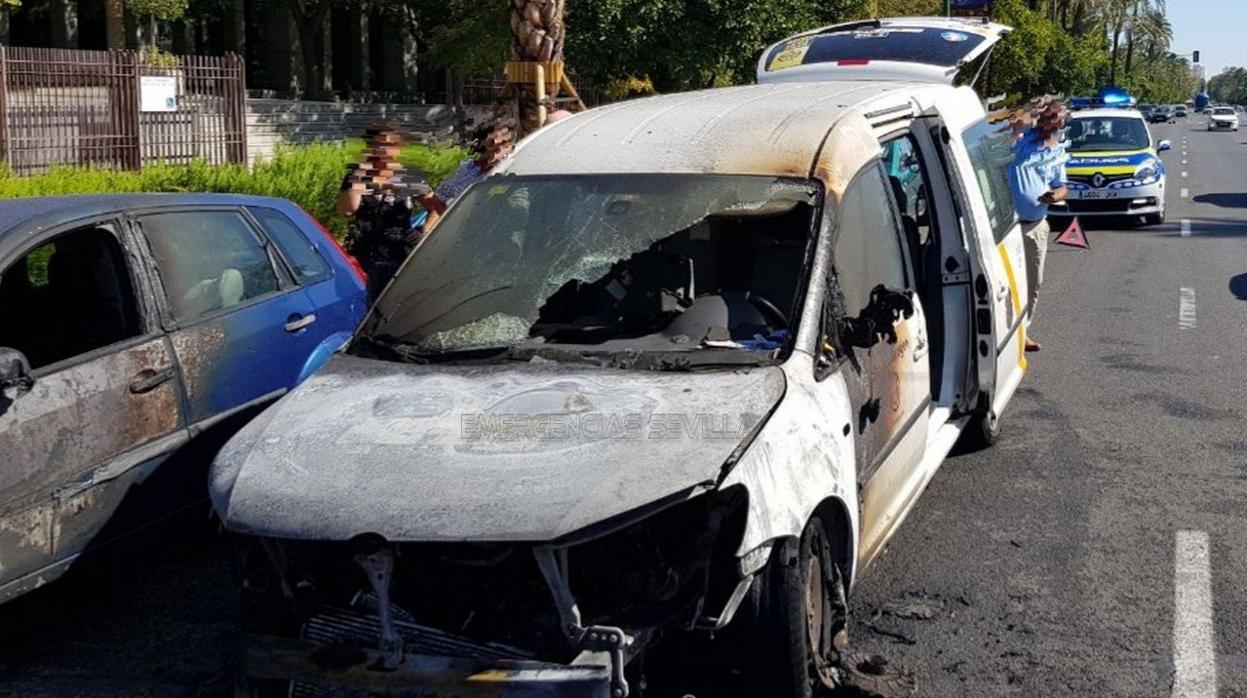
x,y
923,49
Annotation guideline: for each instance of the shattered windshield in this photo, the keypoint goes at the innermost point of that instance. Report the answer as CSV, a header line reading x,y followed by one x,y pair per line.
x,y
607,263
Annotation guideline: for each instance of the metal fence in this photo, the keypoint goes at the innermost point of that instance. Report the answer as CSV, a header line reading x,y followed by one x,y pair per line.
x,y
62,106
484,91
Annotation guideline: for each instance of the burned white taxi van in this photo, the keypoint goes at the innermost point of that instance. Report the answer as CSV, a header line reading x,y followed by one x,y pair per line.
x,y
669,379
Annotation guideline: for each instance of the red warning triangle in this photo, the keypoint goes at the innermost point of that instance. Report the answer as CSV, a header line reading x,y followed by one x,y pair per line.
x,y
1074,236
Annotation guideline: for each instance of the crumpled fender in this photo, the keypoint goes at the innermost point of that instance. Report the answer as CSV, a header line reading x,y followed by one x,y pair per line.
x,y
801,458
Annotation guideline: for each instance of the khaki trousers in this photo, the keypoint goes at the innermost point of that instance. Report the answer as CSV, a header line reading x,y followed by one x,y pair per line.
x,y
1035,242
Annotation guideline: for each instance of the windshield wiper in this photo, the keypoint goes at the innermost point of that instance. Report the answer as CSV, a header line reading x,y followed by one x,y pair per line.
x,y
394,350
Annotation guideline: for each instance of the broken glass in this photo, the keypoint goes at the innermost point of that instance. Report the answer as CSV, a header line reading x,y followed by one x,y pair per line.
x,y
615,262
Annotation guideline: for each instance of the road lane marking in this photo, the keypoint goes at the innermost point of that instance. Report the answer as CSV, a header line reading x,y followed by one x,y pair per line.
x,y
1186,194
1186,309
1186,226
1194,639
1184,162
1185,175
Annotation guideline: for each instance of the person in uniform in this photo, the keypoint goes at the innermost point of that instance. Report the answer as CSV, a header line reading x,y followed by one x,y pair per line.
x,y
379,197
1037,178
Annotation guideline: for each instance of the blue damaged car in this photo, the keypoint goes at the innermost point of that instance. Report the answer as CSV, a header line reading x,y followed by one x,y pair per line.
x,y
137,333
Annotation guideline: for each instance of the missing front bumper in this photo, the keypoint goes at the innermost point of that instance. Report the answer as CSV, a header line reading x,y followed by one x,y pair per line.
x,y
346,670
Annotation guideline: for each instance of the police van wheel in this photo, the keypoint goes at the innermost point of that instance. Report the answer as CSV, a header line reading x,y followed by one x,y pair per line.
x,y
1154,218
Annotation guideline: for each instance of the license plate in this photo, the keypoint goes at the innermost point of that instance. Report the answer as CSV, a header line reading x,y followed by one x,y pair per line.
x,y
1098,194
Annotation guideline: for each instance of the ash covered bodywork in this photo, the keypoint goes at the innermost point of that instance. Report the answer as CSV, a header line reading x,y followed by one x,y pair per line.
x,y
487,454
646,386
113,396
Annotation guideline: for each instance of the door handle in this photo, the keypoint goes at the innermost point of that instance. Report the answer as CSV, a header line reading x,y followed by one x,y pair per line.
x,y
148,380
301,323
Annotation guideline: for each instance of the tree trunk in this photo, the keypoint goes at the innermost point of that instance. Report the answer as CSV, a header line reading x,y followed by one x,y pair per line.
x,y
309,19
1112,71
115,23
1134,23
537,34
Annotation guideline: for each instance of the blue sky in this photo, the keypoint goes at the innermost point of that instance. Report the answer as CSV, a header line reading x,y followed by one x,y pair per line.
x,y
1212,27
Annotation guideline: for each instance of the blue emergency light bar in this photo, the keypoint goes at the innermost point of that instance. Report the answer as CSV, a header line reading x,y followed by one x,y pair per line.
x,y
1116,97
1109,98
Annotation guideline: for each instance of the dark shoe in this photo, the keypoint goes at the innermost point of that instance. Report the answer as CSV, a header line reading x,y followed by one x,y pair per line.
x,y
1032,346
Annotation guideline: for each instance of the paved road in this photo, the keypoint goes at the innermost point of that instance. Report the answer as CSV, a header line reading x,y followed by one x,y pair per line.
x,y
1055,554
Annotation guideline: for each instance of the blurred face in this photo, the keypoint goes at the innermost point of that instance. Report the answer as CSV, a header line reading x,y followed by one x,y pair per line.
x,y
496,147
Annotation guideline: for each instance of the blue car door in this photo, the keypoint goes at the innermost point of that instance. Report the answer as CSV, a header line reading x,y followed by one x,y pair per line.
x,y
242,329
339,295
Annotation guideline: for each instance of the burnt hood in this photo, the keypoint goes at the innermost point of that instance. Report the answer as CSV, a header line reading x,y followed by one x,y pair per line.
x,y
516,452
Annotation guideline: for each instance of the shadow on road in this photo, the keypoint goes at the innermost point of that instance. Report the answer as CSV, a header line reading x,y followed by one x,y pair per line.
x,y
1238,287
1224,200
152,617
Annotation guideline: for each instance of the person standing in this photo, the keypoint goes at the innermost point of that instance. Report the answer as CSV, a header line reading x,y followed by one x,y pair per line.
x,y
379,199
1037,177
492,143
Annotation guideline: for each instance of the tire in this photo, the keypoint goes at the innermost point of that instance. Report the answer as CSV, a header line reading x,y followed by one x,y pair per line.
x,y
793,647
982,432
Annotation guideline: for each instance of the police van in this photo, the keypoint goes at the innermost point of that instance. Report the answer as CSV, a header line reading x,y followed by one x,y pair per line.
x,y
1114,167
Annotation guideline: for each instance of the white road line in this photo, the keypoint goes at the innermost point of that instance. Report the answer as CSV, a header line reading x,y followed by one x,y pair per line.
x,y
1194,639
1186,194
1185,175
1186,309
1184,162
1186,224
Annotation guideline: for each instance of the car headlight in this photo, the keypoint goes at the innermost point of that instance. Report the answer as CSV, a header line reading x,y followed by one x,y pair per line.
x,y
1148,172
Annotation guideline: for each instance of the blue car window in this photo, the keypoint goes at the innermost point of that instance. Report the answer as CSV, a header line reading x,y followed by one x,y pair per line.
x,y
309,267
208,261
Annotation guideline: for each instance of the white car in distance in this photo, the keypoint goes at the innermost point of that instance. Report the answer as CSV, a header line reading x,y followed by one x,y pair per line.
x,y
1222,118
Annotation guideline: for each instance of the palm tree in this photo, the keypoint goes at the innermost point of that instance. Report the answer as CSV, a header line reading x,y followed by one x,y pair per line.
x,y
115,23
1148,29
537,34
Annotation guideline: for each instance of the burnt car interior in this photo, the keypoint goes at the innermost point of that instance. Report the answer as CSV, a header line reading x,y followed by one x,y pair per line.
x,y
605,265
725,279
68,297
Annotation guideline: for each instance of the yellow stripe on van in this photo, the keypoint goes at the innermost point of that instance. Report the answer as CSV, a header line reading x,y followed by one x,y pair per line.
x,y
1017,303
1107,171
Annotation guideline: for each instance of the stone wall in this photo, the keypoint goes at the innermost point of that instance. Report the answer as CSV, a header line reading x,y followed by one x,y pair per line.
x,y
274,121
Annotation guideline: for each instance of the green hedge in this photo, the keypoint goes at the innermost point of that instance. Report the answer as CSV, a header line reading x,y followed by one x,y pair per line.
x,y
308,175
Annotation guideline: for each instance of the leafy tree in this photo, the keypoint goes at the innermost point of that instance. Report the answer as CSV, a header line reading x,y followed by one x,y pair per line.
x,y
165,10
1230,86
690,44
468,37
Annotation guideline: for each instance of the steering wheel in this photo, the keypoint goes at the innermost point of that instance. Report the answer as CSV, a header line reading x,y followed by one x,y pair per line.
x,y
770,310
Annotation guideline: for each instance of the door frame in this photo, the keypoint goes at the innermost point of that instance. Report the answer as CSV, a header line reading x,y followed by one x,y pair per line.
x,y
286,279
136,268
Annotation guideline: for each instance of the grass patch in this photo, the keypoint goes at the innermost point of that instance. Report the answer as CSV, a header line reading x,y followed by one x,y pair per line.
x,y
436,162
307,175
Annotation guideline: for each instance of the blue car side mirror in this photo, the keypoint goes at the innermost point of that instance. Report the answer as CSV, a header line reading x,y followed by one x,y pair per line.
x,y
1163,146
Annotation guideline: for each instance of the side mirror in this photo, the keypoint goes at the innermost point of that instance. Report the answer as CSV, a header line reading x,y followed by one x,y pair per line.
x,y
1163,146
878,319
14,369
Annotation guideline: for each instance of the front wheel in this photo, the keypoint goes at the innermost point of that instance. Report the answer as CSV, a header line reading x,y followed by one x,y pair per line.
x,y
982,432
796,619
1154,218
